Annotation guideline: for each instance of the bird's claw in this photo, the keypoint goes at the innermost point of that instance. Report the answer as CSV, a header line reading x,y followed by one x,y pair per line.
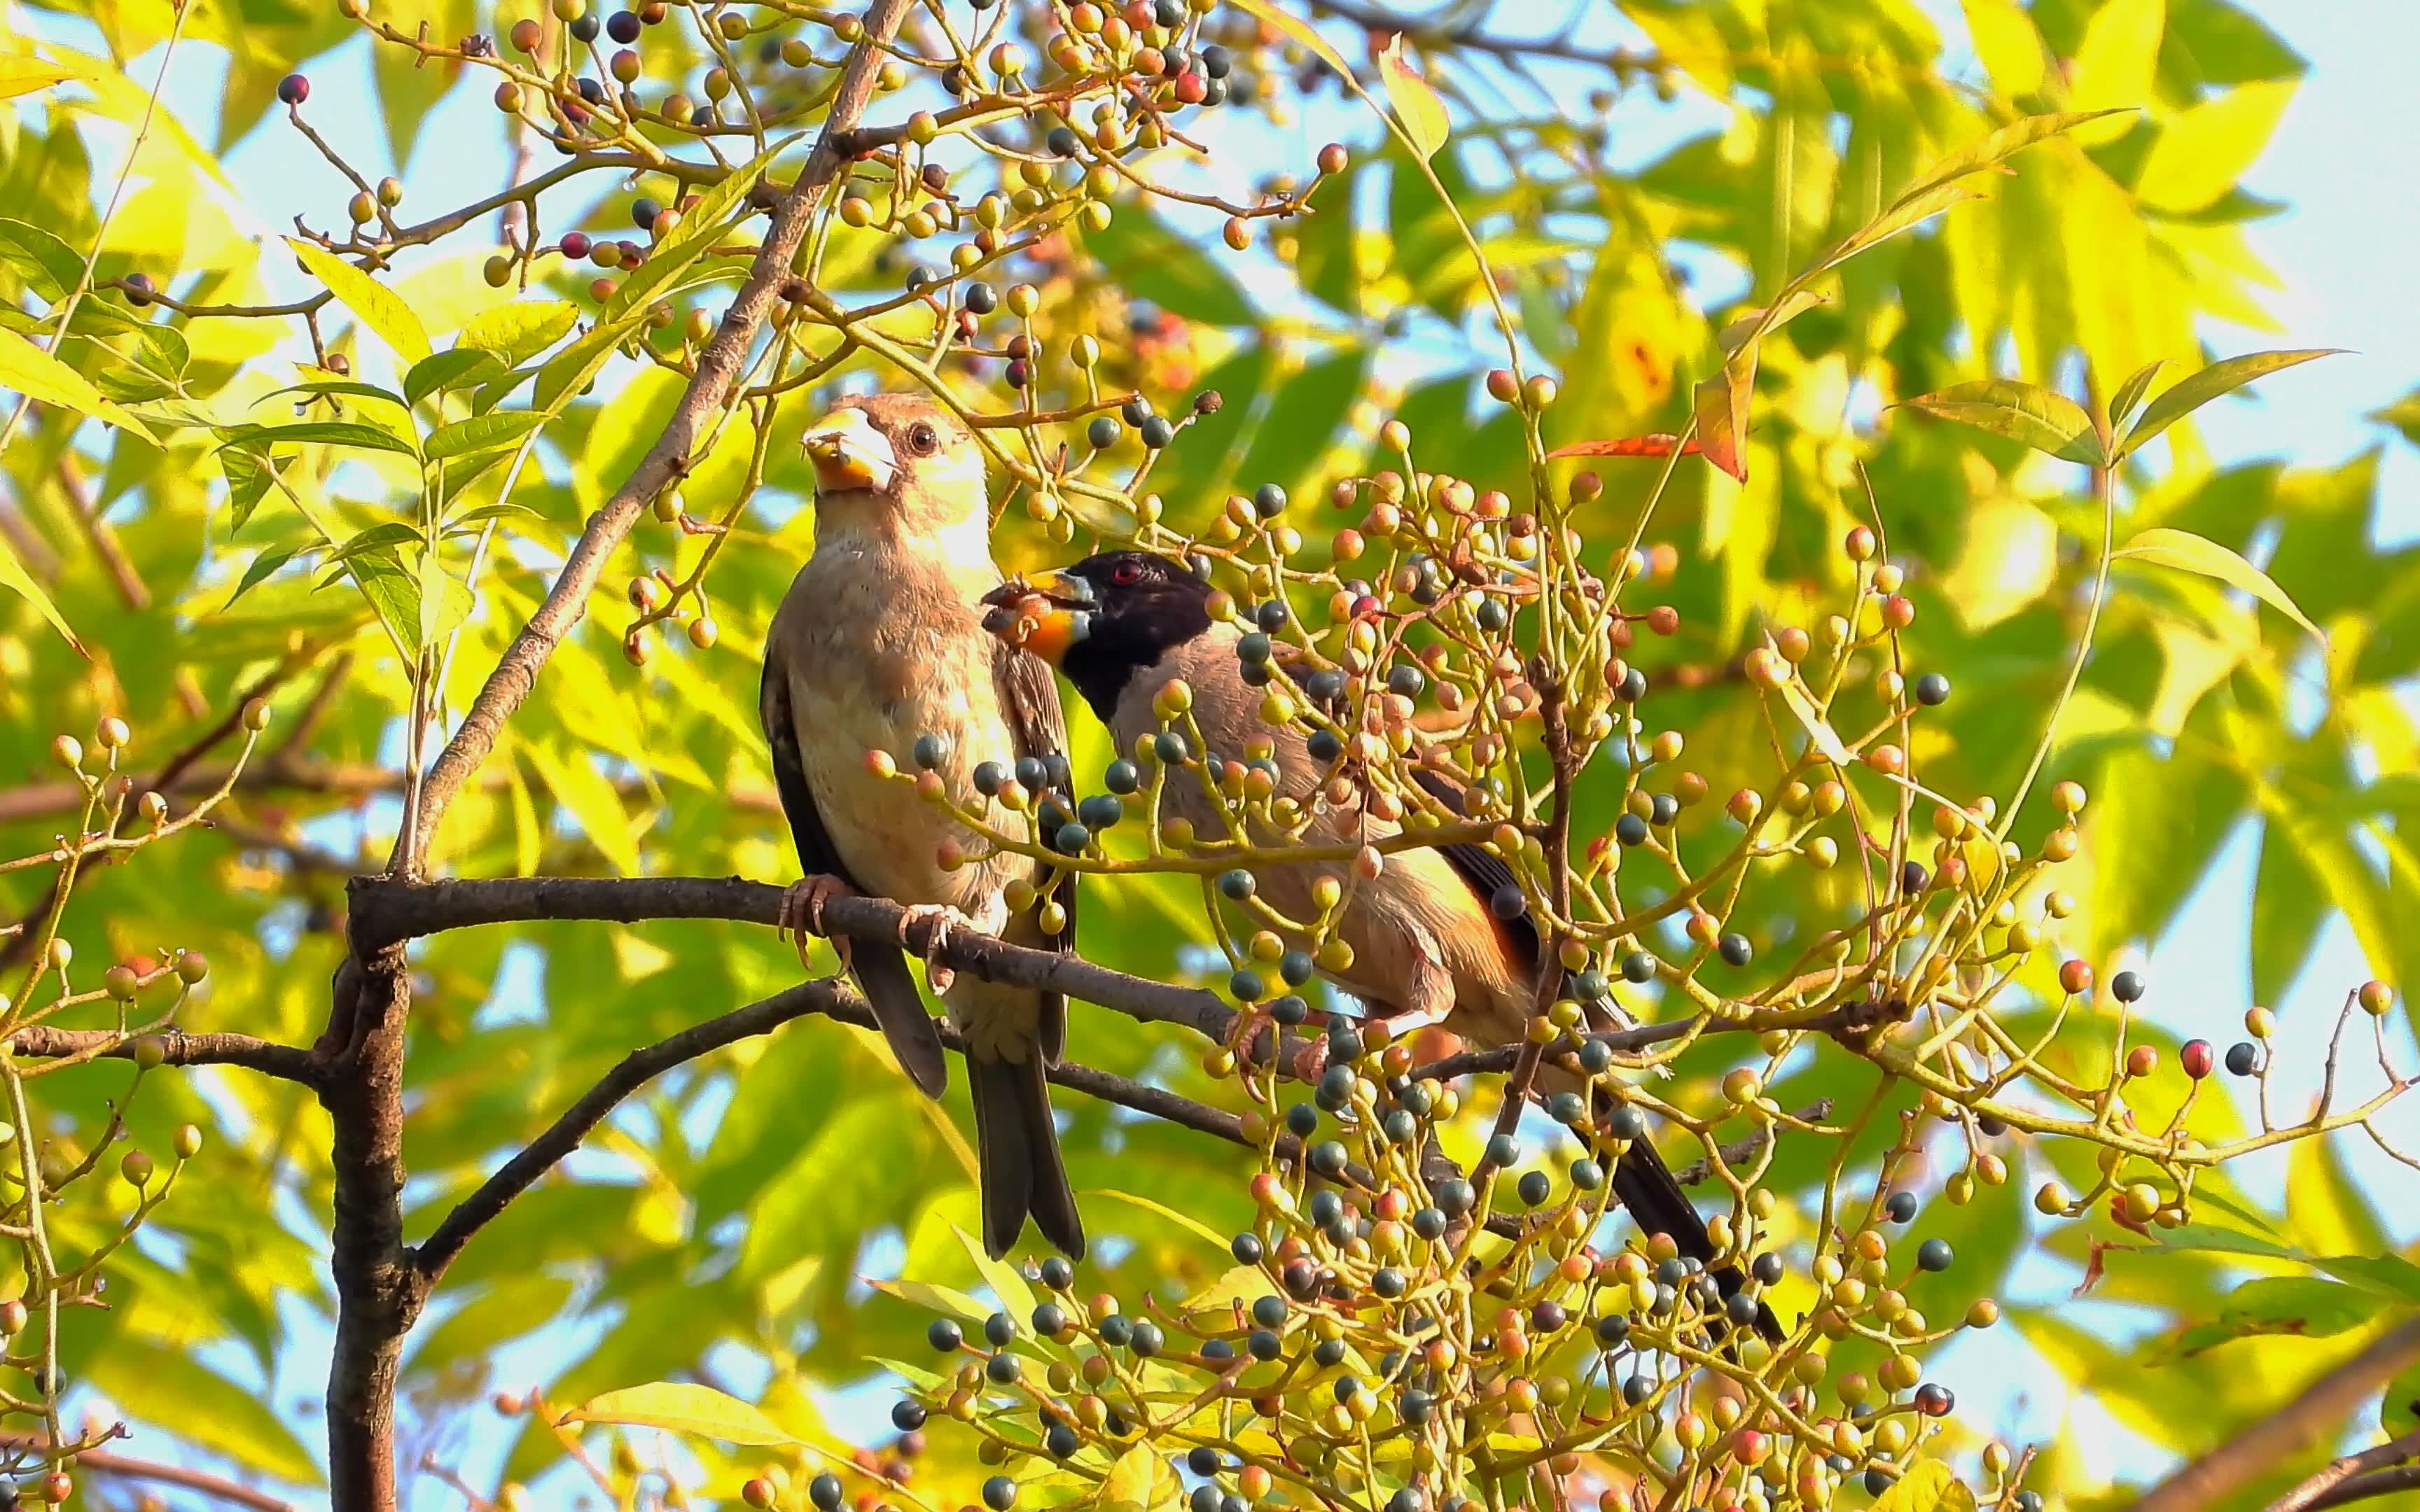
x,y
936,920
802,912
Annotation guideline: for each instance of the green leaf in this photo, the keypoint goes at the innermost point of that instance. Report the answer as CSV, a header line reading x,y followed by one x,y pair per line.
x,y
440,371
159,1384
1142,256
679,1407
2188,553
26,369
1417,106
1929,1486
2202,151
47,264
2289,905
1140,1481
346,387
250,474
2130,393
379,308
574,781
705,225
514,333
349,433
482,433
2218,378
2303,1305
1908,212
2399,1405
2041,418
2000,144
1003,1279
263,564
14,576
500,510
2403,414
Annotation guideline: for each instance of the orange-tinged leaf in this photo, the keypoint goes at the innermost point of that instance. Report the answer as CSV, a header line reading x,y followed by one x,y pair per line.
x,y
680,1407
1417,105
2188,553
1659,444
1722,426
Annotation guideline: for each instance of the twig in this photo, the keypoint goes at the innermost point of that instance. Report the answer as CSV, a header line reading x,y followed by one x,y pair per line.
x,y
287,1062
2289,1430
2378,1457
2361,1488
103,1462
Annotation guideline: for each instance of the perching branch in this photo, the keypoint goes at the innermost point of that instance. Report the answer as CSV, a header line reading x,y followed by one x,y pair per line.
x,y
2293,1428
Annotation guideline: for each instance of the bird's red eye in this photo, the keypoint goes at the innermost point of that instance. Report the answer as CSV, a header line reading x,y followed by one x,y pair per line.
x,y
1125,573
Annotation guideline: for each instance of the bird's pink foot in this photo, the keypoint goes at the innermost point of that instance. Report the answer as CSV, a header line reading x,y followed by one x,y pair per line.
x,y
936,920
802,912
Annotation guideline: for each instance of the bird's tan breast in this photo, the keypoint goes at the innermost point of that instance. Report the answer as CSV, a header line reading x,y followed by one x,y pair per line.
x,y
882,648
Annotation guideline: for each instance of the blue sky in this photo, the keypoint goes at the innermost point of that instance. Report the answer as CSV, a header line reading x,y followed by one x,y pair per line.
x,y
2342,160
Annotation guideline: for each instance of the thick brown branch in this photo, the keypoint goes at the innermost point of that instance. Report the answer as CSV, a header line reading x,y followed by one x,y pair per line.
x,y
2293,1428
718,368
387,912
292,1062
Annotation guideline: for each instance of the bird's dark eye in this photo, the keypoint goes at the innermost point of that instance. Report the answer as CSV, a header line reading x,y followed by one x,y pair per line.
x,y
923,440
1127,574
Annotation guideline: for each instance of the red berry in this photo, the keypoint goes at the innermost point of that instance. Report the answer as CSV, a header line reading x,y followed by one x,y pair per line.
x,y
575,244
2196,1057
1333,157
1191,87
293,89
2074,977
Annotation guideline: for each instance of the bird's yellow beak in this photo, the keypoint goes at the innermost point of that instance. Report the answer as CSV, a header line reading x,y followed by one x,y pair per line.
x,y
1045,614
849,454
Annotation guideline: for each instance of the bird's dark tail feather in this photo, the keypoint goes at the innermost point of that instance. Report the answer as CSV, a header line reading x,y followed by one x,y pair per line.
x,y
882,971
1016,1152
1648,1188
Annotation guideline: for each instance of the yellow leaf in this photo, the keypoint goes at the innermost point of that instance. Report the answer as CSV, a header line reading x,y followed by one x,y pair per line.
x,y
573,780
2117,61
1819,729
1930,1486
1302,31
379,308
2188,553
1417,105
2009,45
14,576
1140,1481
21,74
2203,151
26,369
2010,557
1181,1220
679,1407
1242,1283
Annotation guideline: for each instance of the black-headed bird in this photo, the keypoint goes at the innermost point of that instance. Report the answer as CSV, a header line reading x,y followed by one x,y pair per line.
x,y
1430,936
879,647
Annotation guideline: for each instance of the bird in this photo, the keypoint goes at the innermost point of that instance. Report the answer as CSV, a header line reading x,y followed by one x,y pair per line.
x,y
1433,938
878,647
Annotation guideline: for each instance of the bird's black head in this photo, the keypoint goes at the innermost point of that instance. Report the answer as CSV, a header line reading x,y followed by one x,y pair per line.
x,y
1102,620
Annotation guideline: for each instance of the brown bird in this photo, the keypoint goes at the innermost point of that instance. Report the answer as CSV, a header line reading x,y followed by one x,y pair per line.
x,y
879,646
1439,937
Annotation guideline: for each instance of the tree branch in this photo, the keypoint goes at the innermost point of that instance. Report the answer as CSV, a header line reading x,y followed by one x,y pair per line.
x,y
717,369
103,1462
2361,1488
2292,1429
289,1062
828,997
2343,1474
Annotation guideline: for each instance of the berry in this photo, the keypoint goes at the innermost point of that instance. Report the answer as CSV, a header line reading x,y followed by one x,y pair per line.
x,y
1936,1400
2196,1057
1735,950
1000,1494
2243,1059
1934,1254
2126,986
1933,690
907,1416
586,28
1102,433
1508,901
998,1329
825,1492
138,289
944,1335
623,27
1157,432
293,89
1901,1208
